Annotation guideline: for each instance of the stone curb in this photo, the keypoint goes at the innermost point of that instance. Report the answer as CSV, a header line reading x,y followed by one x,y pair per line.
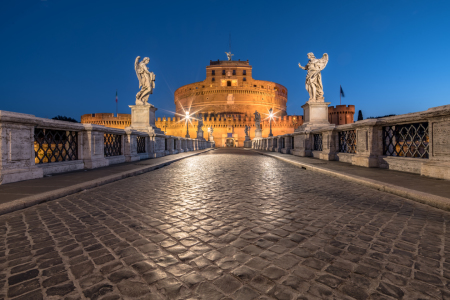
x,y
59,193
429,199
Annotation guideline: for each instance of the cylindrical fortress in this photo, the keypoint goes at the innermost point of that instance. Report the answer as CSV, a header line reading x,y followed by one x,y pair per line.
x,y
229,89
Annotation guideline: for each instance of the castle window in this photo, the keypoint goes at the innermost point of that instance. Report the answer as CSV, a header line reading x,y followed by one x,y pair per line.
x,y
234,72
213,79
244,79
213,72
262,86
228,83
254,85
93,115
223,72
244,72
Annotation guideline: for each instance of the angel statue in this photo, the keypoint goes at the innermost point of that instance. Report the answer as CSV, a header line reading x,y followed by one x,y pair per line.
x,y
257,119
246,130
313,77
229,55
146,80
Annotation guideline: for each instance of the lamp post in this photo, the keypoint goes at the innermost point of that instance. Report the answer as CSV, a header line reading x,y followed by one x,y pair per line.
x,y
187,125
270,121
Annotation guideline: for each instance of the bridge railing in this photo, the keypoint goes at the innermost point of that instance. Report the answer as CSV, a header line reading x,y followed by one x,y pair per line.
x,y
32,147
416,143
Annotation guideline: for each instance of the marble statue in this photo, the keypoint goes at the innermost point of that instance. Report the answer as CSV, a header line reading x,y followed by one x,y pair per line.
x,y
247,130
229,55
257,119
313,77
146,80
211,130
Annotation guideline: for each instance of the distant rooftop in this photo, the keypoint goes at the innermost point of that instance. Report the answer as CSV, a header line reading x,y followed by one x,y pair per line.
x,y
228,62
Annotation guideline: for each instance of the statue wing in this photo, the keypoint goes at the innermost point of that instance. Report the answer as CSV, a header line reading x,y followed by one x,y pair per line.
x,y
322,62
136,68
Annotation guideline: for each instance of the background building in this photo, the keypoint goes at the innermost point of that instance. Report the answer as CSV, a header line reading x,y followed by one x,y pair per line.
x,y
226,101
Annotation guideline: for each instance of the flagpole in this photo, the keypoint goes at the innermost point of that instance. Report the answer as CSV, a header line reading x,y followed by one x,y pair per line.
x,y
340,95
117,107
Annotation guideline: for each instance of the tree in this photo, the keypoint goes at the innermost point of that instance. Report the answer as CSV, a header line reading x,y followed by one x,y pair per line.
x,y
360,116
64,118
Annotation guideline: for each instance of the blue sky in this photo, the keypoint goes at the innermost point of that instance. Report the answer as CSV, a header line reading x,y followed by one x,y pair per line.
x,y
69,57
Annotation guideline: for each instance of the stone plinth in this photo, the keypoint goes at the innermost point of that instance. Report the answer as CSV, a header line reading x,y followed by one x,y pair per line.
x,y
143,118
315,115
258,133
247,142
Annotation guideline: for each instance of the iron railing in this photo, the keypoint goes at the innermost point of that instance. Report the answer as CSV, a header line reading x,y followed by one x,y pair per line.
x,y
347,141
55,145
407,140
140,144
318,142
113,144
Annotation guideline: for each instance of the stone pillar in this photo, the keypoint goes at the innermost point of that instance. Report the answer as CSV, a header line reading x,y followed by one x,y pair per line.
x,y
93,147
17,148
159,142
369,144
302,144
130,146
330,145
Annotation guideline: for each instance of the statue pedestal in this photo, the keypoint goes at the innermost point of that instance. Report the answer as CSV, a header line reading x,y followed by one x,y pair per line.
x,y
247,142
211,138
315,115
258,133
143,118
200,135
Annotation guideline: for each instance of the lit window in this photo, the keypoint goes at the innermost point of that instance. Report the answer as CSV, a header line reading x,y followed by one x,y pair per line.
x,y
213,72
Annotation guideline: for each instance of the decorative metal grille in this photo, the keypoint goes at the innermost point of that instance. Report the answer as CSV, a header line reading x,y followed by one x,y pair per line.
x,y
113,144
407,140
318,142
55,145
141,144
347,141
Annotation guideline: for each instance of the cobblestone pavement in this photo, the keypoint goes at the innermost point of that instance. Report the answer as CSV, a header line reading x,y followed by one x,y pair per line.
x,y
226,226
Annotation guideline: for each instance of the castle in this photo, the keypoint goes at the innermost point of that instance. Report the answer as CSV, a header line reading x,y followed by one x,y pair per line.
x,y
226,101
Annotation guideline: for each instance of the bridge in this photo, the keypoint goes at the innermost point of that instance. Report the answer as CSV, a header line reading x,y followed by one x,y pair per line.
x,y
356,211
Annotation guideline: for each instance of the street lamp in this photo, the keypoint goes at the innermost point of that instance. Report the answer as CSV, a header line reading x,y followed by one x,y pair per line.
x,y
270,121
187,125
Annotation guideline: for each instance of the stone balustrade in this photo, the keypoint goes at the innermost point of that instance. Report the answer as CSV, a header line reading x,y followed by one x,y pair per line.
x,y
416,143
32,147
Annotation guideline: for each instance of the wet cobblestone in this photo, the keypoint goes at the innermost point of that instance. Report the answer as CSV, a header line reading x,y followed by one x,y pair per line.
x,y
226,226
